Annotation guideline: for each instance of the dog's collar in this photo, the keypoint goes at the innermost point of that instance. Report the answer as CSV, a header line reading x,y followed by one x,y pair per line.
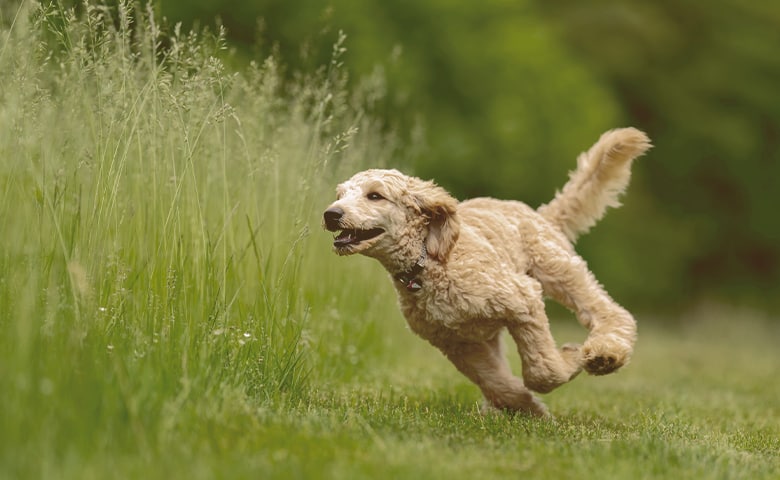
x,y
409,278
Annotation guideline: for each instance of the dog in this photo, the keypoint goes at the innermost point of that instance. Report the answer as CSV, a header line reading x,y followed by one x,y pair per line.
x,y
466,271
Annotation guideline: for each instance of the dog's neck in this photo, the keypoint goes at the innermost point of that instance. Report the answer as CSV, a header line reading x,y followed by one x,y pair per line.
x,y
405,261
410,278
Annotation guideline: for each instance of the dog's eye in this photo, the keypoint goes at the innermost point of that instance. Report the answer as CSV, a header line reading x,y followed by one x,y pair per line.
x,y
374,196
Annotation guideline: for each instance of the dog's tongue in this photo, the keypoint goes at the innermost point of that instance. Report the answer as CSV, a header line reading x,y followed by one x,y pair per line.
x,y
345,238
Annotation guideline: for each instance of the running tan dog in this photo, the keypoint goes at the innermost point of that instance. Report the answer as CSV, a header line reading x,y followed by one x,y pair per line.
x,y
465,271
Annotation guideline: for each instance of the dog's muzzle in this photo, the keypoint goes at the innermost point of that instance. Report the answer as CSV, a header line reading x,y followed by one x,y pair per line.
x,y
348,238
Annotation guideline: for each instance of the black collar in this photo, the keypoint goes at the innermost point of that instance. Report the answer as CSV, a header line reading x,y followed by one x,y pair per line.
x,y
409,278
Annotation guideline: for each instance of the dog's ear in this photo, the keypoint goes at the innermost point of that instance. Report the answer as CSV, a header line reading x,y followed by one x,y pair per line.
x,y
444,225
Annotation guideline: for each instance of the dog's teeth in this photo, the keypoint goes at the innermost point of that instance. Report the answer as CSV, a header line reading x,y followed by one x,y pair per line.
x,y
345,237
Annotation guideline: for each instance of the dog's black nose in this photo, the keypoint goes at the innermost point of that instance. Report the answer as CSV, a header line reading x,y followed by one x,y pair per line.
x,y
332,217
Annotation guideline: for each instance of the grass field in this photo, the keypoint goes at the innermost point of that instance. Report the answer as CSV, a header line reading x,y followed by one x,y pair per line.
x,y
169,307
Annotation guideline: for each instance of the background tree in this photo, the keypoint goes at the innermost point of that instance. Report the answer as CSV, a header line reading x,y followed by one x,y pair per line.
x,y
498,97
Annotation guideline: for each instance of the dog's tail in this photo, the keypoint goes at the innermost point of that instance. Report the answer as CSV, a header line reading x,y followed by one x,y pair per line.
x,y
602,174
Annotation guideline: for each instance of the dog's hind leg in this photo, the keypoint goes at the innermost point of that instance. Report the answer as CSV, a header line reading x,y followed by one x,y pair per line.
x,y
484,364
565,277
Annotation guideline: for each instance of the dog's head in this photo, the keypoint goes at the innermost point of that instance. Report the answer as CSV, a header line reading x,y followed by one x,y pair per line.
x,y
379,212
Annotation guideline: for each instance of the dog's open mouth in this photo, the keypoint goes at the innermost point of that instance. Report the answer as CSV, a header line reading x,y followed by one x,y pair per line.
x,y
350,236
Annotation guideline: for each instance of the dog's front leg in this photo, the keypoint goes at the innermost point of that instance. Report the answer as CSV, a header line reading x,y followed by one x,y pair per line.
x,y
545,367
484,364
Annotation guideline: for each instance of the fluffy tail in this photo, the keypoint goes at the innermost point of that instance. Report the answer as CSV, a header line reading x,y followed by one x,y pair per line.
x,y
602,174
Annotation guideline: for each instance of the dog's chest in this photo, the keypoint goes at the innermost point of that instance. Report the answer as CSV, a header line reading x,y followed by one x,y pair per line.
x,y
437,316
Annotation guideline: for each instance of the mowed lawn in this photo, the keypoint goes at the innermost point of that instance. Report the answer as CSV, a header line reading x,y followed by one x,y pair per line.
x,y
698,401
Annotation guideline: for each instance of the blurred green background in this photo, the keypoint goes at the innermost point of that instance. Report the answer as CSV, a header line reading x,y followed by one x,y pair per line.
x,y
498,97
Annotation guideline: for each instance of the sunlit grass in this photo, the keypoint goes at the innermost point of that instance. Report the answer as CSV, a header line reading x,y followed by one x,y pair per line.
x,y
170,308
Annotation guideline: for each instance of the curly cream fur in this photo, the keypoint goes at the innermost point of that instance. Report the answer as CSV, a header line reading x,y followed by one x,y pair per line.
x,y
490,263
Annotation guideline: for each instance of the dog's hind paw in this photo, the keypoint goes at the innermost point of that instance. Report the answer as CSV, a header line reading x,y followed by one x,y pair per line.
x,y
601,365
604,354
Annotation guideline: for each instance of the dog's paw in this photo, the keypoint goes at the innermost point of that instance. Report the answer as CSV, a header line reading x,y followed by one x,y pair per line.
x,y
526,405
537,409
605,354
601,365
572,353
546,377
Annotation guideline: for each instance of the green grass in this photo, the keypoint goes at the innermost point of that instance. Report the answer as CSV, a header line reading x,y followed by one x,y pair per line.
x,y
169,306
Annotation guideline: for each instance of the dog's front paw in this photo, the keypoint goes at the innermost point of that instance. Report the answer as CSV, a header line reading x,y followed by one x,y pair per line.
x,y
517,400
544,377
605,354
